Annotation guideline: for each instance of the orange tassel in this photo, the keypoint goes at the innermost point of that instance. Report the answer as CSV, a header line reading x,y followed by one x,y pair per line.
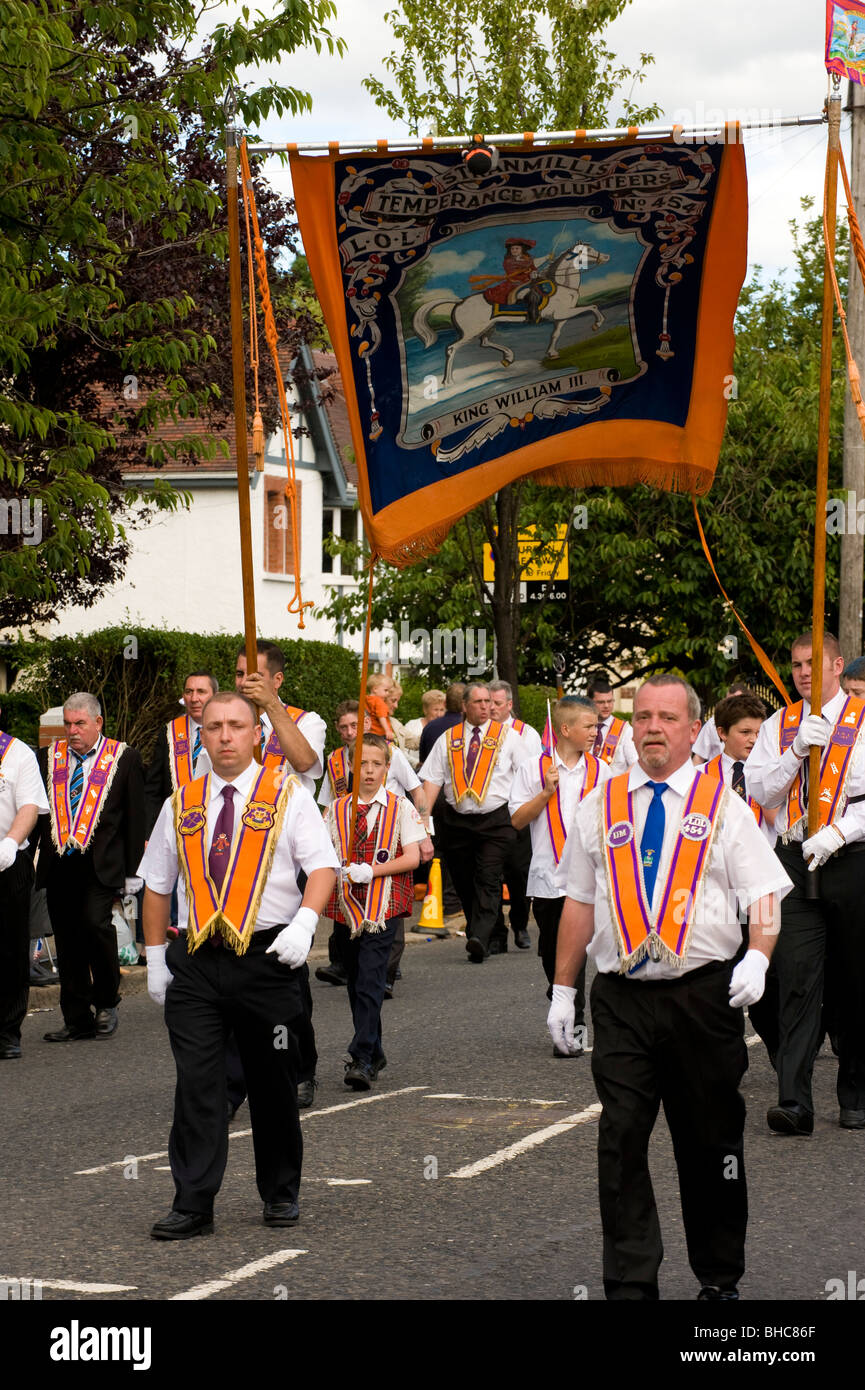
x,y
258,442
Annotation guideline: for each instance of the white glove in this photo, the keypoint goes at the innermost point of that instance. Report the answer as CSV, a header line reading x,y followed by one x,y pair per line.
x,y
748,979
293,944
815,731
822,846
360,873
8,851
131,886
560,1019
159,977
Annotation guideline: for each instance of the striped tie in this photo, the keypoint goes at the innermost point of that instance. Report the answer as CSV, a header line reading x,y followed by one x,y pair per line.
x,y
75,788
196,747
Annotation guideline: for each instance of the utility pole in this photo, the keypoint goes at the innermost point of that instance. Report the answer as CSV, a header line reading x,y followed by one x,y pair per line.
x,y
853,545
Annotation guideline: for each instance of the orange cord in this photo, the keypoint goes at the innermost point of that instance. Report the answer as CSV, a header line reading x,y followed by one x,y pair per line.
x,y
859,252
296,604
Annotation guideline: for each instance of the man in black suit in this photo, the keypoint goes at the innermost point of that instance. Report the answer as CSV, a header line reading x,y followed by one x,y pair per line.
x,y
178,745
88,858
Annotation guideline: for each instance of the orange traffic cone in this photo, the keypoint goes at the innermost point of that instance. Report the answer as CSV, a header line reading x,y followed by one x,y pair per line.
x,y
431,921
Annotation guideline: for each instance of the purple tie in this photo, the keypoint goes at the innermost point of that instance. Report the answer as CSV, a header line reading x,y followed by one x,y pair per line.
x,y
599,741
220,849
474,749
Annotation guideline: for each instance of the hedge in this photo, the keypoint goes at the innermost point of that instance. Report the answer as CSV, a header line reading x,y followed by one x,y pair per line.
x,y
138,673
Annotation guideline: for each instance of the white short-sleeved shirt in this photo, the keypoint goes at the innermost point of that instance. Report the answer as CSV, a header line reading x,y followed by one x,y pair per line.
x,y
769,775
727,769
20,785
707,745
411,830
303,844
401,778
545,876
742,868
530,737
314,730
512,754
625,755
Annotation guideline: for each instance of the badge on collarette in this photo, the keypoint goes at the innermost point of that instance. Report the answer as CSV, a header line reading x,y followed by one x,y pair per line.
x,y
192,820
259,816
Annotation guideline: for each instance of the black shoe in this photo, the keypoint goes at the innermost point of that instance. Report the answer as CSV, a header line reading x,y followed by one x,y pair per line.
x,y
523,940
9,1051
281,1214
378,1064
306,1094
848,1119
39,976
359,1075
476,952
710,1293
498,947
106,1022
332,974
388,989
557,1053
398,975
180,1225
789,1119
66,1034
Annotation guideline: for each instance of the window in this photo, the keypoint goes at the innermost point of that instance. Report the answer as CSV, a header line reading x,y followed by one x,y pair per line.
x,y
346,524
277,526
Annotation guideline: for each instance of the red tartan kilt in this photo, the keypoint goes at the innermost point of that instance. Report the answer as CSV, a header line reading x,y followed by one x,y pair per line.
x,y
401,885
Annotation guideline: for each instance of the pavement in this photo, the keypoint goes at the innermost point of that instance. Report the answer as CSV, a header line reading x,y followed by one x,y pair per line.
x,y
468,1174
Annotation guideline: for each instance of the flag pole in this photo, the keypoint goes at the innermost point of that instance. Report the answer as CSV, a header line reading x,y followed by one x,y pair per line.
x,y
239,389
822,492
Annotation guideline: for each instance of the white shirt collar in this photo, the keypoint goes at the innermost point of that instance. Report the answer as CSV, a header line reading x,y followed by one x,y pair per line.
x,y
91,751
678,781
560,762
832,707
242,783
380,797
481,728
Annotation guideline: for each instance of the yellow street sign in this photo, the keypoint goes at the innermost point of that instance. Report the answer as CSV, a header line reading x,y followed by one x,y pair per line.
x,y
554,565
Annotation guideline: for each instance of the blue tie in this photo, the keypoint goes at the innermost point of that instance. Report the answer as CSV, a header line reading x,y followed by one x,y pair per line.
x,y
196,747
653,839
75,788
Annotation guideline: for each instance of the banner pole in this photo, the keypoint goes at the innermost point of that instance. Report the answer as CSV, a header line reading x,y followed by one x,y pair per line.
x,y
239,388
822,490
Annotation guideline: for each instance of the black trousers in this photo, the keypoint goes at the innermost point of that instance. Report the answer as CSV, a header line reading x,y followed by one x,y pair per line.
x,y
547,912
475,849
366,960
307,1054
516,875
16,883
214,992
679,1044
80,910
789,1016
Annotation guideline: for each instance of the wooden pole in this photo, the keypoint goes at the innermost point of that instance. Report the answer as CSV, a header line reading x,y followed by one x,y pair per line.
x,y
361,708
852,540
238,371
831,196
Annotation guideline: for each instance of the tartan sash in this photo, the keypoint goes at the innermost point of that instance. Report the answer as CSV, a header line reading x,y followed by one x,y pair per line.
x,y
666,936
76,833
233,910
337,771
834,764
715,768
372,915
273,754
477,785
558,831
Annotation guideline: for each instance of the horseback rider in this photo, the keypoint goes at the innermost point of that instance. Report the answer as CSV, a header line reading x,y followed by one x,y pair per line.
x,y
519,270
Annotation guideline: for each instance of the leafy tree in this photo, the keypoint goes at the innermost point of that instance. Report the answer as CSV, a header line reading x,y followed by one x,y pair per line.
x,y
492,66
113,297
642,597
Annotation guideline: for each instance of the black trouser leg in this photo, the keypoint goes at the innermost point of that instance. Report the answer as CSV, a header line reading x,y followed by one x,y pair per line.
x,y
80,911
396,950
337,942
547,913
797,968
366,961
308,1054
841,890
476,848
15,886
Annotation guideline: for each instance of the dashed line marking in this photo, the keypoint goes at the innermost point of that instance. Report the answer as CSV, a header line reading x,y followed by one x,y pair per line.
x,y
531,1141
509,1100
69,1285
236,1276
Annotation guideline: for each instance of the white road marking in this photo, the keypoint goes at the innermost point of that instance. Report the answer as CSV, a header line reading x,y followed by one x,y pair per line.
x,y
234,1276
510,1100
244,1133
340,1182
531,1141
70,1285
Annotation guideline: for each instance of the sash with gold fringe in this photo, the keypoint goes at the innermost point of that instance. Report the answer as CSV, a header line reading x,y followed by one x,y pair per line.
x,y
478,784
715,768
233,911
371,917
93,794
834,764
555,820
180,740
611,742
273,754
337,771
666,936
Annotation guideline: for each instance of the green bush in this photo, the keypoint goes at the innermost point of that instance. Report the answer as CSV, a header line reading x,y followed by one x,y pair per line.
x,y
533,704
137,674
19,715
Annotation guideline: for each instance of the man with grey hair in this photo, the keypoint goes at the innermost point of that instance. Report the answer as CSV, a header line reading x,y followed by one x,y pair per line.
x,y
520,856
657,862
475,762
90,845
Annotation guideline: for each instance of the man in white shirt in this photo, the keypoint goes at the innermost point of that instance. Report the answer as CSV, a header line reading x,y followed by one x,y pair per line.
x,y
829,930
248,935
22,801
614,741
544,797
475,762
517,863
658,859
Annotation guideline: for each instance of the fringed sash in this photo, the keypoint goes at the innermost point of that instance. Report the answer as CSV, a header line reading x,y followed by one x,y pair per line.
x,y
93,794
371,917
180,739
273,754
666,936
337,771
555,821
715,768
611,742
457,747
834,765
233,911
